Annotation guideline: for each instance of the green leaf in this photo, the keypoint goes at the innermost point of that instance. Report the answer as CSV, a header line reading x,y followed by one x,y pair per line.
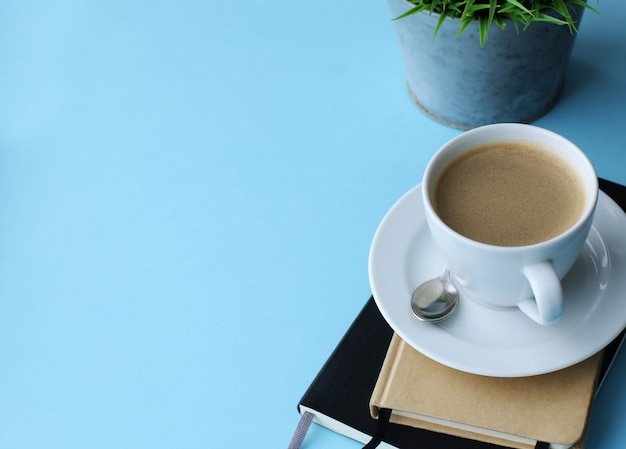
x,y
483,30
442,18
412,11
519,6
493,4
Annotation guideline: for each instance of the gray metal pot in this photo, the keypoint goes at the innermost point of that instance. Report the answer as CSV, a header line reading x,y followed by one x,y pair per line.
x,y
516,77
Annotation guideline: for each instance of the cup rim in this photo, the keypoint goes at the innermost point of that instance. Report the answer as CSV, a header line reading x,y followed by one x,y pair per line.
x,y
590,181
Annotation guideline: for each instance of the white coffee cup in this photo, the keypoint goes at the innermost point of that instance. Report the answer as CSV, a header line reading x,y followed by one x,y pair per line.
x,y
527,277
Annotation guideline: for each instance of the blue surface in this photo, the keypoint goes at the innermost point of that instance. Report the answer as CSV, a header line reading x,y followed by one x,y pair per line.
x,y
188,191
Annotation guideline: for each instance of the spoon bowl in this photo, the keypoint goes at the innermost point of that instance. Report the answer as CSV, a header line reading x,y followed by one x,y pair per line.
x,y
435,300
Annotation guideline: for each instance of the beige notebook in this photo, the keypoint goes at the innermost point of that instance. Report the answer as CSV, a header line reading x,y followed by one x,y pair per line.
x,y
515,412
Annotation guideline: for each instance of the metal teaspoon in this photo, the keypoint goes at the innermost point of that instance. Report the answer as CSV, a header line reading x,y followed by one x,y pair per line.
x,y
435,299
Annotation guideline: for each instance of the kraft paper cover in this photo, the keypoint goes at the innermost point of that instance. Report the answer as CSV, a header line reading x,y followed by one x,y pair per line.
x,y
552,407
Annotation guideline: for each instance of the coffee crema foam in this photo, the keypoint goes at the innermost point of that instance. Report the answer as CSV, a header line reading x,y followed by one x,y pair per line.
x,y
510,194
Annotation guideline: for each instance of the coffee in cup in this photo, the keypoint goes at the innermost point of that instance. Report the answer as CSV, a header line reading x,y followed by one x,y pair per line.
x,y
510,193
509,207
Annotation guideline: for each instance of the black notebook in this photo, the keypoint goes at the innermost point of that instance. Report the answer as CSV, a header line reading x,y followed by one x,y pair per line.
x,y
339,396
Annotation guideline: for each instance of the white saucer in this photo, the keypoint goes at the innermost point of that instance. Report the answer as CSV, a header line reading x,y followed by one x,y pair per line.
x,y
501,342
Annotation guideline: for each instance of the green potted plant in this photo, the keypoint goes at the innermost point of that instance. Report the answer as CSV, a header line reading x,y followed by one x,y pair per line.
x,y
474,62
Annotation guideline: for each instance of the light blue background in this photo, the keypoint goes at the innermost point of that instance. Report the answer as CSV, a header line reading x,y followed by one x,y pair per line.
x,y
188,191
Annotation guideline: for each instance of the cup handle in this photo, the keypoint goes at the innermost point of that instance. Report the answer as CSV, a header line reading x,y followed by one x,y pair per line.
x,y
547,305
